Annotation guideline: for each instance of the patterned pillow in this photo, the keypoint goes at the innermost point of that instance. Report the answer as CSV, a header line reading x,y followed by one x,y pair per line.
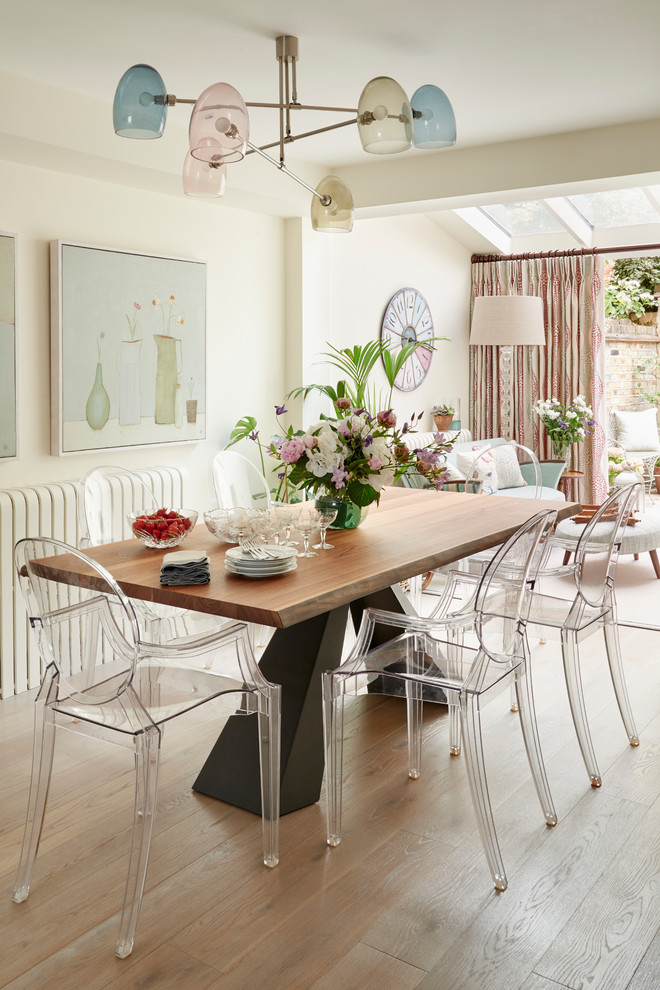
x,y
509,474
482,471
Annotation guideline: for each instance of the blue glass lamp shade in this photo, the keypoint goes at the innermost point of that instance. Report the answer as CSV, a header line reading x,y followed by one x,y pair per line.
x,y
434,124
219,126
384,117
140,106
337,217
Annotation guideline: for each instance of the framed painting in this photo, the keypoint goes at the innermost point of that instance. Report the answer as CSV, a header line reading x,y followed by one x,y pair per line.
x,y
8,432
128,349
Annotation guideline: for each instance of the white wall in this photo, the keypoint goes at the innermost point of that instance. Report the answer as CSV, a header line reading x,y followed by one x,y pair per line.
x,y
366,269
245,307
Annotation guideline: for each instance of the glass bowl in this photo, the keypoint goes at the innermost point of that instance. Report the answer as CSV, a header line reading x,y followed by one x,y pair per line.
x,y
239,524
162,529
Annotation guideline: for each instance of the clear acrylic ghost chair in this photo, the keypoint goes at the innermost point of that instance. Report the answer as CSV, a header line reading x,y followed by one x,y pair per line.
x,y
105,496
432,654
237,482
101,680
592,606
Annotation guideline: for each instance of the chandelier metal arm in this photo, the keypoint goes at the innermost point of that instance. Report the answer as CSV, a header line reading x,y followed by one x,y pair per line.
x,y
325,200
296,137
172,100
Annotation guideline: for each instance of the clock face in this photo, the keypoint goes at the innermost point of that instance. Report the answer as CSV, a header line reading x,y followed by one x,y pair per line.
x,y
407,319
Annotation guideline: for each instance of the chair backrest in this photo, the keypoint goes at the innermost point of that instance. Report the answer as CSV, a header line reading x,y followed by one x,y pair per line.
x,y
87,630
497,467
237,482
503,600
106,494
597,550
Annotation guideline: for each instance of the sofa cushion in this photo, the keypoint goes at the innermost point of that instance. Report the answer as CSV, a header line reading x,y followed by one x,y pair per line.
x,y
508,468
636,430
479,464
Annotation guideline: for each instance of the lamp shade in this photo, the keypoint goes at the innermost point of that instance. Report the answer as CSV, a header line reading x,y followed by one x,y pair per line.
x,y
140,105
338,216
219,126
203,179
499,320
434,124
384,117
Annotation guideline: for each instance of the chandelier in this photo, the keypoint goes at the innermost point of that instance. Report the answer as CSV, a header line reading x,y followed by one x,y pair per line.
x,y
219,130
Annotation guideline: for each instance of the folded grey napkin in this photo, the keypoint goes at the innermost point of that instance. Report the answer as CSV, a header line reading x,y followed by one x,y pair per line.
x,y
185,567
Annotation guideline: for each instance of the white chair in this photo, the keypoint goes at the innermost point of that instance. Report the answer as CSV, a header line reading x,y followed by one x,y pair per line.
x,y
103,681
636,432
434,653
237,482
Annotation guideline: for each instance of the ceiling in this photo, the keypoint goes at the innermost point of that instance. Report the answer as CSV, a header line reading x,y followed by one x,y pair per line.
x,y
512,70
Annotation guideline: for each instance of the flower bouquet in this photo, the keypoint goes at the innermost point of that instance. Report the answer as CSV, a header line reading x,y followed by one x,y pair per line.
x,y
350,458
617,463
565,425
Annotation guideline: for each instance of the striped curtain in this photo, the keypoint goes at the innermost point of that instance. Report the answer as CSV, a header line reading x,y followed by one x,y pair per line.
x,y
572,362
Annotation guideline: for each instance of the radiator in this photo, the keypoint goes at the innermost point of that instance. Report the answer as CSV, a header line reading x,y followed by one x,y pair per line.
x,y
51,510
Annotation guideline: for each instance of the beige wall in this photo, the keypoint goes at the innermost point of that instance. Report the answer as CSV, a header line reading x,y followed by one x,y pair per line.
x,y
245,306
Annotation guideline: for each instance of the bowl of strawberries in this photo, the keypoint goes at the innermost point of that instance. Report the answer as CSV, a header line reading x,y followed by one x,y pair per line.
x,y
163,528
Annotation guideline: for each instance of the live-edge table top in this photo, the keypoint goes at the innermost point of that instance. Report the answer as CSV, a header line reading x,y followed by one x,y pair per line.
x,y
408,533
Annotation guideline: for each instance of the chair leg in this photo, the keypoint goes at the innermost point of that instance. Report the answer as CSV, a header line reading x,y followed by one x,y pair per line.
x,y
333,732
570,654
42,765
414,706
613,650
454,730
269,759
147,759
476,773
530,731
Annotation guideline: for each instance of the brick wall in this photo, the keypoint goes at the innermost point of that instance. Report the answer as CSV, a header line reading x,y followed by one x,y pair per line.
x,y
627,346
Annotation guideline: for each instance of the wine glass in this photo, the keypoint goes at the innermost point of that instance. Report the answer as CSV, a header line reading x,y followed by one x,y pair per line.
x,y
287,515
327,515
308,520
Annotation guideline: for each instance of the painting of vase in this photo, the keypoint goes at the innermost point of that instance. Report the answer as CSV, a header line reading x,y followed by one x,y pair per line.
x,y
142,319
129,382
7,347
166,378
97,409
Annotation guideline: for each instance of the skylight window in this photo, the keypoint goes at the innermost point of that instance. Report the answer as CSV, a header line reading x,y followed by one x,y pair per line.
x,y
521,219
616,208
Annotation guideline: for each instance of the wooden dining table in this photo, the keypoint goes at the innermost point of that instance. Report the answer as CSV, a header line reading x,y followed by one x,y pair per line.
x,y
408,533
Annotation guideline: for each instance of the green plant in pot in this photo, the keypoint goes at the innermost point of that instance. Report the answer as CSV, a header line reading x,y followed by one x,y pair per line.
x,y
443,416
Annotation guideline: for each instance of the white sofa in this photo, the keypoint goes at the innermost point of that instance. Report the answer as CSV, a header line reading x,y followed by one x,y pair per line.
x,y
464,444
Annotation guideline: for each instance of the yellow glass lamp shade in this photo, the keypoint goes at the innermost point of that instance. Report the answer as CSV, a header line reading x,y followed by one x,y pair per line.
x,y
384,117
219,125
338,215
203,179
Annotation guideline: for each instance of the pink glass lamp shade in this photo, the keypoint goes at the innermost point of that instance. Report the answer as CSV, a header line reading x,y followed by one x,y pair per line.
x,y
384,117
337,217
203,178
219,125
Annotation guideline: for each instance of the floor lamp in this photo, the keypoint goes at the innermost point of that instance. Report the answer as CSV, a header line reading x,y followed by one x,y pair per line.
x,y
506,322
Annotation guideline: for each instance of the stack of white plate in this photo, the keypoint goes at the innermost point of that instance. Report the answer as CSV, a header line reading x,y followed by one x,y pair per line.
x,y
271,560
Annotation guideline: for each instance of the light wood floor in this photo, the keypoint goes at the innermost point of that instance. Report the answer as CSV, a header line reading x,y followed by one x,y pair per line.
x,y
406,900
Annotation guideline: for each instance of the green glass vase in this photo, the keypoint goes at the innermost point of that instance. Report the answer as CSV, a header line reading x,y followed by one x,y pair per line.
x,y
349,515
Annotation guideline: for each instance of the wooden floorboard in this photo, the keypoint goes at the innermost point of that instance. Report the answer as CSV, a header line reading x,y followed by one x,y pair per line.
x,y
404,902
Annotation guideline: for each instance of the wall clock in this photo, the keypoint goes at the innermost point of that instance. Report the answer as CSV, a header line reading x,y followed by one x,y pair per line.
x,y
407,319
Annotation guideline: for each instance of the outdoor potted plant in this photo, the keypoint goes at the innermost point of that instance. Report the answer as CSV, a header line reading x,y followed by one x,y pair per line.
x,y
630,289
443,416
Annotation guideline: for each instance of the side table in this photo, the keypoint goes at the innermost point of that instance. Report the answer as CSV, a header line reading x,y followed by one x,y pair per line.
x,y
568,479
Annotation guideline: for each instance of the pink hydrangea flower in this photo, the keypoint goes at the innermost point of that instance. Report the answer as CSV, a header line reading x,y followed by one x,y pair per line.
x,y
310,441
375,463
292,450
